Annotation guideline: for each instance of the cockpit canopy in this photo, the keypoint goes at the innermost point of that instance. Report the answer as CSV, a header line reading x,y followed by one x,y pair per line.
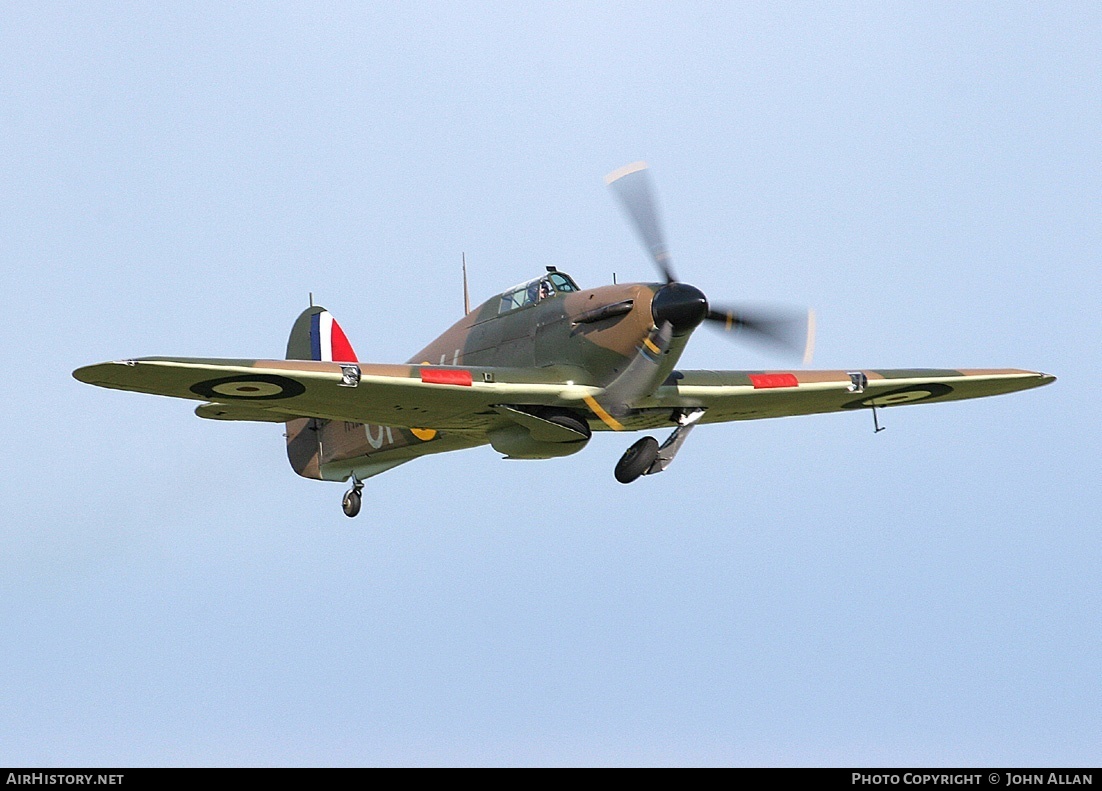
x,y
536,290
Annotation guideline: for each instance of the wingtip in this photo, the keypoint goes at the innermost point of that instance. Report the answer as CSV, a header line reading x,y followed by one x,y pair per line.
x,y
85,373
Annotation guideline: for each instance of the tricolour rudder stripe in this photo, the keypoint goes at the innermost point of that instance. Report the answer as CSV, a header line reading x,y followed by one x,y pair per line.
x,y
342,349
314,336
316,333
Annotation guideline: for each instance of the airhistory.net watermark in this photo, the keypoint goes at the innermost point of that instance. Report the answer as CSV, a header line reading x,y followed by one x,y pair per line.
x,y
51,779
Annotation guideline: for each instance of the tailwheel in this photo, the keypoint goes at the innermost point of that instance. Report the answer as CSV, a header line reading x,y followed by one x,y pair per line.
x,y
352,499
351,503
637,460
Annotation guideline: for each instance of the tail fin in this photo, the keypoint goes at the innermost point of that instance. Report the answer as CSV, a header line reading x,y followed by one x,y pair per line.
x,y
315,336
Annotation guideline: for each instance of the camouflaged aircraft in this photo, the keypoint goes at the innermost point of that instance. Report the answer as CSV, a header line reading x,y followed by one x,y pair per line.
x,y
533,372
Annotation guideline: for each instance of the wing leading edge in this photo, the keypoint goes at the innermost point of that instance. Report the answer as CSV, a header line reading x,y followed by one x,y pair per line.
x,y
437,397
753,395
363,419
464,399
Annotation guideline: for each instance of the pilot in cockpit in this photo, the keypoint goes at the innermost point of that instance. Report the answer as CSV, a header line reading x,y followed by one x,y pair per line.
x,y
539,291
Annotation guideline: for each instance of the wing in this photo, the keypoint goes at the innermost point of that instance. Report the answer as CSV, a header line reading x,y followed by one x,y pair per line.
x,y
405,396
461,399
751,395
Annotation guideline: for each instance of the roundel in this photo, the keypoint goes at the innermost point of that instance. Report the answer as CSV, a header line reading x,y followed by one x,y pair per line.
x,y
904,395
255,386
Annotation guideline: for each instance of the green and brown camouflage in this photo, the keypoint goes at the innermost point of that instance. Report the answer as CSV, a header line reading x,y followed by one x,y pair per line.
x,y
543,334
533,372
549,333
530,378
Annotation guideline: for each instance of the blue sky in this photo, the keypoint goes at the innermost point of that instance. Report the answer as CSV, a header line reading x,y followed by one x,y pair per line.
x,y
177,178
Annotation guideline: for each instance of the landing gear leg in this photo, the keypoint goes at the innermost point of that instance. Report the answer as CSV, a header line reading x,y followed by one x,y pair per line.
x,y
352,499
647,457
686,419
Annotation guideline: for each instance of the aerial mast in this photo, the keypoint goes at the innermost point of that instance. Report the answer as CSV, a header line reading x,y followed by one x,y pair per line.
x,y
466,293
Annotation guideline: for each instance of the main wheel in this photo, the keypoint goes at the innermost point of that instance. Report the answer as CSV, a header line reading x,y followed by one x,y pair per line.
x,y
637,460
351,503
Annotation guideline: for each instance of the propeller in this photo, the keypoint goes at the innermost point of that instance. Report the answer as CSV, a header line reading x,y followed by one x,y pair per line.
x,y
632,186
776,328
677,308
685,306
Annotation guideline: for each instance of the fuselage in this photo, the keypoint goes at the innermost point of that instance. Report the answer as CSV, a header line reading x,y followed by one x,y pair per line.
x,y
588,336
568,329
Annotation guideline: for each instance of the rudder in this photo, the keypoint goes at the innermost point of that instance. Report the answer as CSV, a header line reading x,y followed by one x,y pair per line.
x,y
315,335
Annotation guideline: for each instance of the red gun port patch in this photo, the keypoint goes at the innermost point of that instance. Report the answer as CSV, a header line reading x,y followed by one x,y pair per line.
x,y
762,381
446,376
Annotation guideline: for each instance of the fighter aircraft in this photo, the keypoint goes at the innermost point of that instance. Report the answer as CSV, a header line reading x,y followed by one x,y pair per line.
x,y
533,372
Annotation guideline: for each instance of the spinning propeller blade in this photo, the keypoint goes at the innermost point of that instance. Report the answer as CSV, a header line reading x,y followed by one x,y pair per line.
x,y
781,329
632,186
778,328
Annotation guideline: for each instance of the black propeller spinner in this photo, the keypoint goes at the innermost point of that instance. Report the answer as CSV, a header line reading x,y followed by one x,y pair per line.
x,y
682,305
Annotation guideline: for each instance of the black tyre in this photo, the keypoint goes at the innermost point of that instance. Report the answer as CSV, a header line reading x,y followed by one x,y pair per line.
x,y
637,460
351,503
